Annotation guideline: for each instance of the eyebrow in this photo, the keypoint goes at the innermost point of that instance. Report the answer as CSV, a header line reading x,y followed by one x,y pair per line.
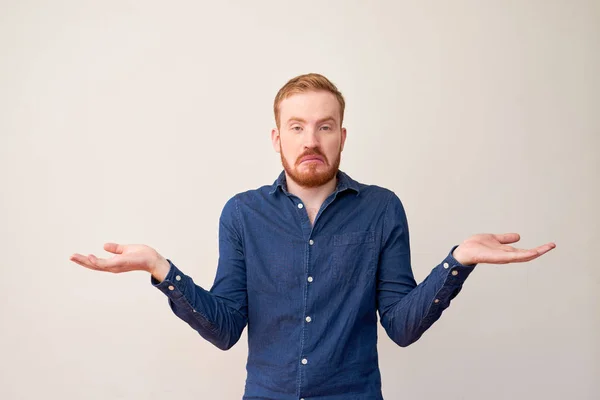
x,y
298,119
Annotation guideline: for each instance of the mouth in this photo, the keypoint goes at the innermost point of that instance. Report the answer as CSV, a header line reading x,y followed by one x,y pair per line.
x,y
310,159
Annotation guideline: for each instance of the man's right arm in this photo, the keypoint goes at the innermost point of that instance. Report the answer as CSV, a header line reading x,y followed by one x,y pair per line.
x,y
221,314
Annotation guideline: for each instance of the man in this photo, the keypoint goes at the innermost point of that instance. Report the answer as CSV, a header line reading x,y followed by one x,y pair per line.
x,y
308,262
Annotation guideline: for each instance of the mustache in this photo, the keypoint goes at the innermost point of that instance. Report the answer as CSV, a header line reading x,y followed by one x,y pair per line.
x,y
312,152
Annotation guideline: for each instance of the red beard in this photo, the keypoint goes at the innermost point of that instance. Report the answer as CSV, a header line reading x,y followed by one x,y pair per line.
x,y
311,178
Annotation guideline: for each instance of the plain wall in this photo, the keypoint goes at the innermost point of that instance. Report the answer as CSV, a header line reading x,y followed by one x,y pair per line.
x,y
135,121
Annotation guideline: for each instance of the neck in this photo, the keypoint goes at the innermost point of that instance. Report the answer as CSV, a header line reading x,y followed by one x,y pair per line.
x,y
311,197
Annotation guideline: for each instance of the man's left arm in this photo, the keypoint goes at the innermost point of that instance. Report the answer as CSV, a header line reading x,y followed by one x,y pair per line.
x,y
406,309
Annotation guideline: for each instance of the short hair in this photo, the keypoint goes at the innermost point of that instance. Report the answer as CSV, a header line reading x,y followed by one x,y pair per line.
x,y
311,82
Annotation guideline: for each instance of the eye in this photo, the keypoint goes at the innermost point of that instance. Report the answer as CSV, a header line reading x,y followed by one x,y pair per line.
x,y
296,128
326,127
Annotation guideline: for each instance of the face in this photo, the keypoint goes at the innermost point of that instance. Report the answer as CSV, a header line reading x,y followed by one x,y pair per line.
x,y
310,138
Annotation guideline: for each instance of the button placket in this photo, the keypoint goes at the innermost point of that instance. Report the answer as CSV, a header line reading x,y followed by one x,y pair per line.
x,y
307,318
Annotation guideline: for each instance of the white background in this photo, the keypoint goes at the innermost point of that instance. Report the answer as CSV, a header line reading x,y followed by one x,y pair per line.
x,y
135,121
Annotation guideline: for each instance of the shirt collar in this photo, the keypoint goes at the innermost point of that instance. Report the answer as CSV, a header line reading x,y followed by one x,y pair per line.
x,y
344,182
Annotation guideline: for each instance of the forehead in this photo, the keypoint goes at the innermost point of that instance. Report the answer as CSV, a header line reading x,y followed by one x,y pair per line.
x,y
309,106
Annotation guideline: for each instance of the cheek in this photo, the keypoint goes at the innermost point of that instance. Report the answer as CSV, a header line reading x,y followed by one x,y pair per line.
x,y
332,148
290,147
289,153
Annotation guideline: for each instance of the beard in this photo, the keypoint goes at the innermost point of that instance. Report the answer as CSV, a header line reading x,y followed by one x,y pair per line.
x,y
311,178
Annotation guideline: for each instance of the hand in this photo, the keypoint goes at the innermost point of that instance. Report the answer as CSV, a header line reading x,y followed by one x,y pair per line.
x,y
129,257
494,249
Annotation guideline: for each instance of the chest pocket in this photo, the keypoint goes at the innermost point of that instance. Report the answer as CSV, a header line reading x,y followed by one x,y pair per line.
x,y
354,257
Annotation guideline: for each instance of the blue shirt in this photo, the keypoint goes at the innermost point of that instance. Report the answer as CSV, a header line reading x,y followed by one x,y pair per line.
x,y
310,293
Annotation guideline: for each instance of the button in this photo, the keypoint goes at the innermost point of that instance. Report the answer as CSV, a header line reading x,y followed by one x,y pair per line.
x,y
308,319
178,278
304,361
311,242
300,205
436,301
171,287
310,279
455,272
446,265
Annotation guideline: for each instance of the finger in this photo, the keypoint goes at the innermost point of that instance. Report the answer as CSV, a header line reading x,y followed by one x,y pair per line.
x,y
88,266
521,255
524,255
80,259
102,263
83,261
505,238
545,248
538,250
114,248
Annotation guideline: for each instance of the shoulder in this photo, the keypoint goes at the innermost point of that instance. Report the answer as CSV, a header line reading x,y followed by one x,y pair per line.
x,y
388,201
373,192
252,195
249,198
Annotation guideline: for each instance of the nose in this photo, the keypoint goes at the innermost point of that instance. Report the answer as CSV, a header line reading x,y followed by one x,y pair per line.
x,y
311,139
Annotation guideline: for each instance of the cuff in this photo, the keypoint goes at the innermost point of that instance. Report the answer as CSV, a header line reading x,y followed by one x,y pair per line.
x,y
174,283
453,272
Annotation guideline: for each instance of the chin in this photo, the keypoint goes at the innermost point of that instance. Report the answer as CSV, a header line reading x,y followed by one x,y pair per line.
x,y
312,169
313,179
311,175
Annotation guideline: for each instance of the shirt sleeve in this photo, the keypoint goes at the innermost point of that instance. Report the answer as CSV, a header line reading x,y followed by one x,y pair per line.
x,y
406,309
221,314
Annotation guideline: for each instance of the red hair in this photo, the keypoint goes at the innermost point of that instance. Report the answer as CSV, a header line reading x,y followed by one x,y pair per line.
x,y
307,83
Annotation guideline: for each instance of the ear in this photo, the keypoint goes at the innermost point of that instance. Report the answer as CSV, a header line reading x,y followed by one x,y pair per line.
x,y
275,139
343,139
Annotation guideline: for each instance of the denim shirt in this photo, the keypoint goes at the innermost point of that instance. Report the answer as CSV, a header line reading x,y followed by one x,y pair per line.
x,y
310,293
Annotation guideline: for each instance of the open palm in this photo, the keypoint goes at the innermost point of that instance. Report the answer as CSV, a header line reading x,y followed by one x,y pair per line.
x,y
495,249
129,257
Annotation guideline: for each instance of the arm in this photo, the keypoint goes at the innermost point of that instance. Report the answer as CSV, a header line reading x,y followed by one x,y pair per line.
x,y
219,315
406,309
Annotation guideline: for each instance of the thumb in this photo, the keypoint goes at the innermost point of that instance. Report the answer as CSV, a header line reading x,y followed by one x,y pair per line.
x,y
505,238
114,248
